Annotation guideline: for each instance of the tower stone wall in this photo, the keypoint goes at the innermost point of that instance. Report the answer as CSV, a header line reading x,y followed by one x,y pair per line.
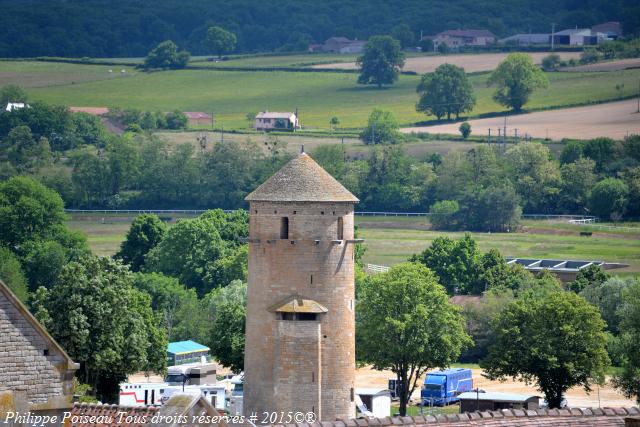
x,y
301,362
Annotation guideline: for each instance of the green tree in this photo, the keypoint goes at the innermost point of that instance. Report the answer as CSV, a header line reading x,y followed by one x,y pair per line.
x,y
186,250
426,45
381,61
43,262
551,62
608,296
334,122
590,276
632,180
445,91
465,130
145,233
11,274
105,324
536,176
382,128
166,55
556,342
629,380
28,211
410,312
177,308
227,310
443,215
609,198
404,35
12,93
494,208
455,262
577,179
220,40
516,78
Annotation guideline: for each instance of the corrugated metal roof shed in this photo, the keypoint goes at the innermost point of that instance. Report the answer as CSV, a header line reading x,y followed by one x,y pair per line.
x,y
181,347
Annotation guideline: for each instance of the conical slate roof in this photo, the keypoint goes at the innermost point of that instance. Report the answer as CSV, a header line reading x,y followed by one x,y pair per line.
x,y
301,180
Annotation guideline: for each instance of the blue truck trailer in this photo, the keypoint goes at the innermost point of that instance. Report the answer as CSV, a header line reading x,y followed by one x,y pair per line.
x,y
443,387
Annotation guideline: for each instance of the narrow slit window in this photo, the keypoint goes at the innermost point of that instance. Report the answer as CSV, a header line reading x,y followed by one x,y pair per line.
x,y
340,228
284,228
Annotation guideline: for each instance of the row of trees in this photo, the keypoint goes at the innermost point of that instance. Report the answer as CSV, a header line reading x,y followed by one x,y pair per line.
x,y
461,190
448,90
167,56
122,29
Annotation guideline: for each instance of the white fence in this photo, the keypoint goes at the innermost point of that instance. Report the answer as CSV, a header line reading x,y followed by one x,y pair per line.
x,y
373,268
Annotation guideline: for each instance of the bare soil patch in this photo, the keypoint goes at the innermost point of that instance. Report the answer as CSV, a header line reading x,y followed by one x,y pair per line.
x,y
470,62
576,397
613,119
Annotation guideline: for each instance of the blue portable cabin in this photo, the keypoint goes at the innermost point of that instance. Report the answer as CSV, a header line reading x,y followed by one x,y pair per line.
x,y
443,387
182,352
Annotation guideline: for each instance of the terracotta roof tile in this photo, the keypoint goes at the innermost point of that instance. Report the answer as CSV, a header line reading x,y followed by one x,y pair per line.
x,y
301,180
97,415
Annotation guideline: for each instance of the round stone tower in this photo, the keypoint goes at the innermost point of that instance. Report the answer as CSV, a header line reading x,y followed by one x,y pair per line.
x,y
300,329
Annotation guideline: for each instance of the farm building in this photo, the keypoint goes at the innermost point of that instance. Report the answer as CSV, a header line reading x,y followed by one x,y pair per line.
x,y
271,120
566,270
339,45
36,374
185,352
455,39
376,401
493,401
527,39
612,29
578,37
198,118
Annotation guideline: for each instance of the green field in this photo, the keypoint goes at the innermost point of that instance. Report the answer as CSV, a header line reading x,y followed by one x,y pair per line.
x,y
302,60
230,95
391,240
31,74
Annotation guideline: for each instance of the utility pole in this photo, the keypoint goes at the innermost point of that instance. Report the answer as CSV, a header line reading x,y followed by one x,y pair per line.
x,y
221,133
515,132
504,133
638,110
489,138
553,30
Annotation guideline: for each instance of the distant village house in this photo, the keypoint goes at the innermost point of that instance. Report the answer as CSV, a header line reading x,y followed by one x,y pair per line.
x,y
339,45
454,39
271,120
198,118
12,106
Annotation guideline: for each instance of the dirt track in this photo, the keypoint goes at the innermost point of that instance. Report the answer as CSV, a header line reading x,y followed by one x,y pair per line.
x,y
612,119
470,62
369,378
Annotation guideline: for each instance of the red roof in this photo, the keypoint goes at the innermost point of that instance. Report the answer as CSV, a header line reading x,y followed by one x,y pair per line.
x,y
103,415
467,33
196,115
94,111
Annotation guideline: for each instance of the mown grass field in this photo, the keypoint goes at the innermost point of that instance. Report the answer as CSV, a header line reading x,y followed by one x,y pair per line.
x,y
230,95
302,60
391,240
30,74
